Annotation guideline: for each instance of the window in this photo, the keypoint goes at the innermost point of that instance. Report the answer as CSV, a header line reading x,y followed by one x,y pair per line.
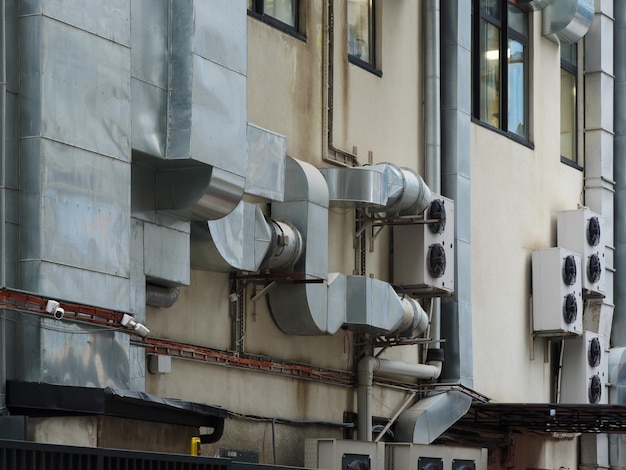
x,y
499,88
284,14
361,34
569,76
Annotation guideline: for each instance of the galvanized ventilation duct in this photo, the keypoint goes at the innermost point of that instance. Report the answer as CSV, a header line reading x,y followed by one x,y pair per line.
x,y
383,187
534,5
568,20
327,302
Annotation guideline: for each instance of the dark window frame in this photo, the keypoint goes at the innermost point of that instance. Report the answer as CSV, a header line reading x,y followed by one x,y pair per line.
x,y
573,70
371,65
506,33
257,12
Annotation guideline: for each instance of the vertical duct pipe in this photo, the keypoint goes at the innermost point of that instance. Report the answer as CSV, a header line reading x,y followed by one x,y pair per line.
x,y
617,444
3,249
456,315
432,121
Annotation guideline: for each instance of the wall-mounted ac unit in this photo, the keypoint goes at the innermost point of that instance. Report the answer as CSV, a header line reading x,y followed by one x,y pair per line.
x,y
423,253
557,292
584,373
402,456
582,232
336,454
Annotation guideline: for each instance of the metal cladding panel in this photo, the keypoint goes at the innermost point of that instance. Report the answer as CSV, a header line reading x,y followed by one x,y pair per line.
x,y
79,355
238,241
78,285
110,19
266,165
166,254
82,203
149,118
221,33
149,32
11,44
218,127
569,20
76,87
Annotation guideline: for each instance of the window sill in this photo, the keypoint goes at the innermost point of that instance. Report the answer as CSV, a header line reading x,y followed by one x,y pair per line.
x,y
571,163
364,65
509,135
274,23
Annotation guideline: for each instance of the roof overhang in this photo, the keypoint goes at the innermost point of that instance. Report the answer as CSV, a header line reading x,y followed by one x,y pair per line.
x,y
38,399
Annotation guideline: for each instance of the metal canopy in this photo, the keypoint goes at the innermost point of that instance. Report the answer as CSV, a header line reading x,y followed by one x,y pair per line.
x,y
43,399
544,418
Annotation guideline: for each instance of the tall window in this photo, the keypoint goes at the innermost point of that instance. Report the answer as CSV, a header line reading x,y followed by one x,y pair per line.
x,y
281,13
500,66
361,33
569,74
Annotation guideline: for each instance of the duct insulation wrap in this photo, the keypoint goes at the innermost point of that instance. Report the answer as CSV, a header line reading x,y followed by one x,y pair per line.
x,y
432,416
569,20
382,187
161,296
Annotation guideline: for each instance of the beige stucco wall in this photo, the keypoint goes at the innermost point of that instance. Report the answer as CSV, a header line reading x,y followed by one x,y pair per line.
x,y
516,193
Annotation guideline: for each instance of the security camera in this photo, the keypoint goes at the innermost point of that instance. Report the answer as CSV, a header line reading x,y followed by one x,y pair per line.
x,y
130,323
53,307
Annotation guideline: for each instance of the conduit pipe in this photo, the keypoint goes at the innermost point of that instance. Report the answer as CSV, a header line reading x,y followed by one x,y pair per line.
x,y
371,366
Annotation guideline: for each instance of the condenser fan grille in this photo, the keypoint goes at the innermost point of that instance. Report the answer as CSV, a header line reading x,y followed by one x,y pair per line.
x,y
595,389
437,211
594,268
570,308
569,270
594,354
593,231
436,260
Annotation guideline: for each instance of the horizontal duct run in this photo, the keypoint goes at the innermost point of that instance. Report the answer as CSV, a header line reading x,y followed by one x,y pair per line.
x,y
568,20
383,187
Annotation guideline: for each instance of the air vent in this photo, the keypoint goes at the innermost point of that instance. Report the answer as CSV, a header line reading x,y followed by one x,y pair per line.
x,y
570,308
463,465
593,231
437,211
436,260
594,268
355,462
595,389
425,463
569,270
594,354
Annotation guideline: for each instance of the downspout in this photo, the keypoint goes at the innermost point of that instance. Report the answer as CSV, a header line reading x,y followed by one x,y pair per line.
x,y
369,367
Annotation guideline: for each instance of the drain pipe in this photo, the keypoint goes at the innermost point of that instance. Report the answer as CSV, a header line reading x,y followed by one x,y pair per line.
x,y
371,366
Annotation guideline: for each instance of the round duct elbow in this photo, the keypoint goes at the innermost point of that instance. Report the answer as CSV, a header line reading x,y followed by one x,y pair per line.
x,y
159,296
414,322
568,20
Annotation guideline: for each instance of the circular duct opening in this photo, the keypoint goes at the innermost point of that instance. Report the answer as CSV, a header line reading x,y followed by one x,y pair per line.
x,y
569,270
593,231
437,211
595,389
594,268
436,260
594,354
570,308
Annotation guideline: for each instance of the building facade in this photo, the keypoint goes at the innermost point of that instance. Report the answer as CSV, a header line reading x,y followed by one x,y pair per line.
x,y
287,225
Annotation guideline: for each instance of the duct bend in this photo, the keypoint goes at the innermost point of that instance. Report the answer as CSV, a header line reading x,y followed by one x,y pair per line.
x,y
370,366
569,20
383,188
159,296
